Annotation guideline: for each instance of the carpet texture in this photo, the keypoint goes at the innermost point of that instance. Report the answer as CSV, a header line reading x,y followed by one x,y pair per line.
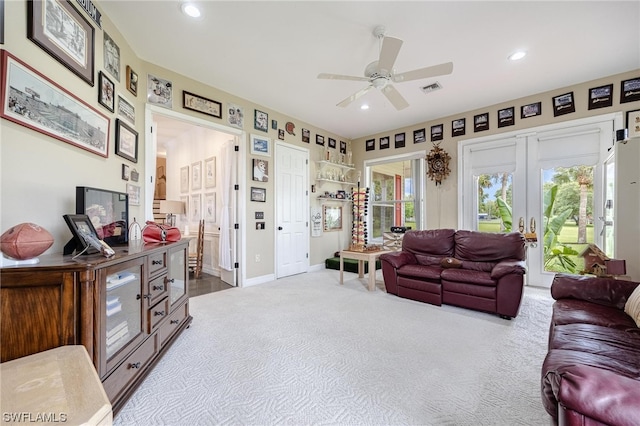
x,y
305,350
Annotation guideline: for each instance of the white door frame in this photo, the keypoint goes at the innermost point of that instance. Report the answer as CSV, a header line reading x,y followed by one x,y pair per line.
x,y
528,140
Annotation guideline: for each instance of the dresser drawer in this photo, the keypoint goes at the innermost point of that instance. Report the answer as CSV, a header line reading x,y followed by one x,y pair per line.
x,y
157,313
177,318
157,289
132,367
157,263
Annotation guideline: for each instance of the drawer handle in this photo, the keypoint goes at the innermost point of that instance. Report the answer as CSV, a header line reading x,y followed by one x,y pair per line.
x,y
156,262
158,287
147,296
134,365
169,281
158,313
174,322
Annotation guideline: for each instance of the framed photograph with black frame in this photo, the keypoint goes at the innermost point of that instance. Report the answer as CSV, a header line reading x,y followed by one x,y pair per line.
x,y
319,140
54,107
419,136
601,97
630,90
132,81
64,33
258,194
306,135
106,92
370,145
201,104
126,141
531,110
79,225
399,140
331,143
481,122
563,104
261,120
458,127
384,142
633,123
506,117
437,133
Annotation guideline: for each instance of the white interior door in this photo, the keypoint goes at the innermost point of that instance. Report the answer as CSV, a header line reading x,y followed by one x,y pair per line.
x,y
292,210
228,233
531,163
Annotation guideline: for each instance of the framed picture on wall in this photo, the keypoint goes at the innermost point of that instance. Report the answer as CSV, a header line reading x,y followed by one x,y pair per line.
x,y
384,142
132,81
184,179
209,210
261,121
630,90
77,52
437,132
458,127
196,175
399,140
106,92
419,136
201,104
111,56
260,145
260,170
506,117
481,122
195,212
306,135
258,194
633,123
531,110
159,91
126,141
210,172
563,104
601,97
370,145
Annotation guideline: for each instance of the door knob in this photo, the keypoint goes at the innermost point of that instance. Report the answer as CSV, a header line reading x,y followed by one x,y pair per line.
x,y
279,228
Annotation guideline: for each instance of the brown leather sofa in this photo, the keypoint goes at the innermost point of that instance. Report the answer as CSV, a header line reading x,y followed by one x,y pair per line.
x,y
477,270
591,374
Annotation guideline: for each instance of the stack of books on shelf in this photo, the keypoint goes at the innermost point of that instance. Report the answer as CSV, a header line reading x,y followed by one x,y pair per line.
x,y
116,280
113,305
117,334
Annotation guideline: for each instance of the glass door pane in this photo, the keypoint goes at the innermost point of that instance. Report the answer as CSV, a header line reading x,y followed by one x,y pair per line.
x,y
123,308
495,201
177,275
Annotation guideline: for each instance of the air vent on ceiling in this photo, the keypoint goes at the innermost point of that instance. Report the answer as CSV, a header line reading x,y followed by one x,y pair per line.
x,y
431,87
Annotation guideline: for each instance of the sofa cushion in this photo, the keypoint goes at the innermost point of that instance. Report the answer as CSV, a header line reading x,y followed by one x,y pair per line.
x,y
632,307
570,311
489,247
468,276
430,246
420,271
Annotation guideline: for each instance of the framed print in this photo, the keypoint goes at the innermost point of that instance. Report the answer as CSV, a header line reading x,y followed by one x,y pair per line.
x,y
343,147
201,104
184,179
106,92
126,141
126,110
134,194
384,142
370,145
195,211
64,33
458,127
111,56
159,92
531,110
319,140
306,135
630,90
260,170
563,104
281,134
235,115
134,175
209,210
125,172
196,175
332,218
419,136
54,107
399,140
79,225
601,97
274,124
210,172
506,117
437,132
633,123
481,122
261,120
260,145
331,143
258,194
132,81
185,200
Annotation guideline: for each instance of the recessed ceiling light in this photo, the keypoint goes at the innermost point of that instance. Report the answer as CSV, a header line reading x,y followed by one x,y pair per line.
x,y
190,9
517,55
364,106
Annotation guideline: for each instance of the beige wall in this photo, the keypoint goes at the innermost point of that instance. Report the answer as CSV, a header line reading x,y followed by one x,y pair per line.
x,y
441,205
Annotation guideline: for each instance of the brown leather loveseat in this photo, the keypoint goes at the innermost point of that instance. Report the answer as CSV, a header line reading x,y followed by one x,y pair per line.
x,y
478,270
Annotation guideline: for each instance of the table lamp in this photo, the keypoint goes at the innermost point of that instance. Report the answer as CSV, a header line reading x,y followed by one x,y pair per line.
x,y
171,209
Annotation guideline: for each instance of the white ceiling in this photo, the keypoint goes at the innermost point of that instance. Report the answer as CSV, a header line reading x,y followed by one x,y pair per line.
x,y
271,52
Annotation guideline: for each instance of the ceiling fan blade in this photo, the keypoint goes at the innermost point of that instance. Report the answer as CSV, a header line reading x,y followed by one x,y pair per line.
x,y
436,70
394,97
355,96
389,52
340,77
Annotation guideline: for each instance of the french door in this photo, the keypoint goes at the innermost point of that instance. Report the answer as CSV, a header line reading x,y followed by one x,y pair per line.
x,y
548,181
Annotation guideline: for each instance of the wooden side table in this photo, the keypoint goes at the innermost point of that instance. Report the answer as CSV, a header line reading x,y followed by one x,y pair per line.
x,y
361,257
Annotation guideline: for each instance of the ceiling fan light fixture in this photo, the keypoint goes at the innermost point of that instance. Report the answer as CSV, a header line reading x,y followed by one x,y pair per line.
x,y
517,55
190,9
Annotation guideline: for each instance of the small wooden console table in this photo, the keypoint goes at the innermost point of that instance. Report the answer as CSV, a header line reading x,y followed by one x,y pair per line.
x,y
361,256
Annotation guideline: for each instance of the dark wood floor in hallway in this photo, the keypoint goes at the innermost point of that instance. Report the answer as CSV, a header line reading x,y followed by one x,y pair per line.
x,y
206,284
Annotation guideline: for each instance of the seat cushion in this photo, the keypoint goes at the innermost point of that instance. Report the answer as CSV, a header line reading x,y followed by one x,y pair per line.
x,y
420,272
468,276
572,311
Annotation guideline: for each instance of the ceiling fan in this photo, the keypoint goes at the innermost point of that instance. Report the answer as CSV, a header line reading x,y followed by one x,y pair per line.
x,y
380,74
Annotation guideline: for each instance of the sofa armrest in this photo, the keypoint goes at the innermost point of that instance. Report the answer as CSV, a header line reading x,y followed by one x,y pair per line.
x,y
398,259
603,291
506,267
600,394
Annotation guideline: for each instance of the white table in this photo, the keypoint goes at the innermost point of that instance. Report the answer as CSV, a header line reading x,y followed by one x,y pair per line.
x,y
361,257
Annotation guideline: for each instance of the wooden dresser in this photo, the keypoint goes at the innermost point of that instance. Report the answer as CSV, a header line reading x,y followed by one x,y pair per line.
x,y
125,310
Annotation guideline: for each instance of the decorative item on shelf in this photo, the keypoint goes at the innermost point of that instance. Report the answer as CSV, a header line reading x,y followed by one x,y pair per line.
x,y
359,236
25,241
135,231
438,162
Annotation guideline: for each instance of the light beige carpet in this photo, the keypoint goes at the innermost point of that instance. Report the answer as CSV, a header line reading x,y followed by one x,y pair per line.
x,y
305,350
